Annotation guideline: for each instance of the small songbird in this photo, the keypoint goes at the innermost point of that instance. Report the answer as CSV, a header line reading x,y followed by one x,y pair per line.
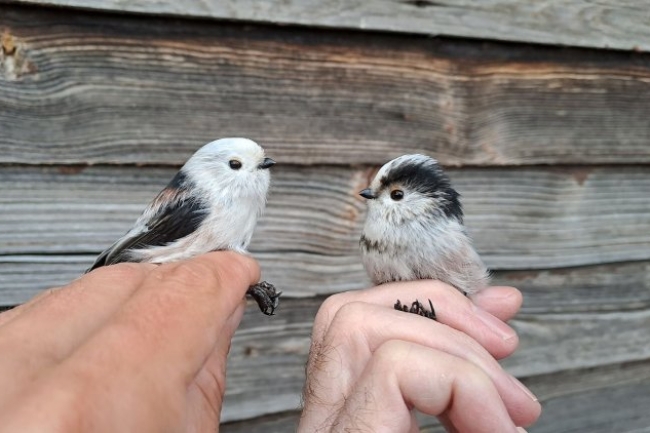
x,y
211,204
414,229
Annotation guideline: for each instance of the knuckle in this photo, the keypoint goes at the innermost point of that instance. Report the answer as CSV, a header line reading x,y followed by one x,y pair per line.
x,y
348,330
350,312
347,321
329,308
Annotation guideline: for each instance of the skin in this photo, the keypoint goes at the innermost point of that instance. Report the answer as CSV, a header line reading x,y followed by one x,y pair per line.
x,y
370,366
140,347
130,347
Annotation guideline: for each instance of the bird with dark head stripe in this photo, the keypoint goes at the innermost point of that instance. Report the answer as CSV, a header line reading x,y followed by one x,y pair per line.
x,y
211,204
414,229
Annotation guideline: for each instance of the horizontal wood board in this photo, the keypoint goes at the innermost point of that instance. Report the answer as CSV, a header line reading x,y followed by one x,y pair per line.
x,y
82,87
527,218
573,319
597,400
276,349
90,87
603,24
602,288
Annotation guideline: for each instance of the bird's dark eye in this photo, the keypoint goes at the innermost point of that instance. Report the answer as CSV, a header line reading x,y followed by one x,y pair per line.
x,y
397,194
234,164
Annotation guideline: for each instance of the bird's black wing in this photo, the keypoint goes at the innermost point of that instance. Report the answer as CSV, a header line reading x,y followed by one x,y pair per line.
x,y
175,213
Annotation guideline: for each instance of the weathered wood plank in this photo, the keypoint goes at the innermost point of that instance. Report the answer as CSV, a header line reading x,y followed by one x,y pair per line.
x,y
608,24
81,87
275,348
607,399
603,288
597,400
298,274
533,218
23,277
596,328
610,399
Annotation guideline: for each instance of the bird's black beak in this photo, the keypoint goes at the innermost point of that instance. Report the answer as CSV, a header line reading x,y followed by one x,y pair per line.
x,y
367,193
267,163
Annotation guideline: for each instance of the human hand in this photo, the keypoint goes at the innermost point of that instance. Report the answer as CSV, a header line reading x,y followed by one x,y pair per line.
x,y
370,365
130,347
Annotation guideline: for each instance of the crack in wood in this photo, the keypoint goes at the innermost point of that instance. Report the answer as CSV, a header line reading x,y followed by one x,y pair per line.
x,y
422,3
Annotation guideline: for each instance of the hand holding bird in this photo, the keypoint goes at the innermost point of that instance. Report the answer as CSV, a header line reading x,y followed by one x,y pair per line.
x,y
211,204
414,230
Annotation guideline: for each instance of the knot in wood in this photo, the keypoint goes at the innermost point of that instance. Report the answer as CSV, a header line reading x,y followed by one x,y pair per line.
x,y
8,45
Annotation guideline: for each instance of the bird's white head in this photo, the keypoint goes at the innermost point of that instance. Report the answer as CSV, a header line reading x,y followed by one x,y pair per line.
x,y
230,169
411,187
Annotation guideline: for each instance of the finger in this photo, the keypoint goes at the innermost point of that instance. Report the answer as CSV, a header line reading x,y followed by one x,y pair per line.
x,y
66,296
400,377
205,395
360,328
51,327
185,305
451,307
10,313
72,397
149,353
13,312
502,302
450,428
92,279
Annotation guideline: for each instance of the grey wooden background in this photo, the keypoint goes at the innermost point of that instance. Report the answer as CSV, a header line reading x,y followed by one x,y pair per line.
x,y
102,100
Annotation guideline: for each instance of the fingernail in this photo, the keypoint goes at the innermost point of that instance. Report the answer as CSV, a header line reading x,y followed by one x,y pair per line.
x,y
495,325
523,388
521,430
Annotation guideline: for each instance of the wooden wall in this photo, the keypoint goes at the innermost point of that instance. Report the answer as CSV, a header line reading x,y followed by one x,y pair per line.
x,y
548,146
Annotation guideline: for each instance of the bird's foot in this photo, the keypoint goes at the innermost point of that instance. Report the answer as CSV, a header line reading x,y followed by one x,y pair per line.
x,y
417,308
266,296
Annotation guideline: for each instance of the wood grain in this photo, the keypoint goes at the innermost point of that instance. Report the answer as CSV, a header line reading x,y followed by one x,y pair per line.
x,y
596,327
605,24
533,218
602,288
572,318
275,349
611,398
596,400
606,399
123,91
81,87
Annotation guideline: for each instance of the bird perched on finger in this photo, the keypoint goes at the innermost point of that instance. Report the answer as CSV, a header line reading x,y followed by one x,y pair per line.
x,y
414,229
211,204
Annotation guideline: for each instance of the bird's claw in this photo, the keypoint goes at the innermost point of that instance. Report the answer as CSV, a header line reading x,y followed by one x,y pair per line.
x,y
266,296
417,308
